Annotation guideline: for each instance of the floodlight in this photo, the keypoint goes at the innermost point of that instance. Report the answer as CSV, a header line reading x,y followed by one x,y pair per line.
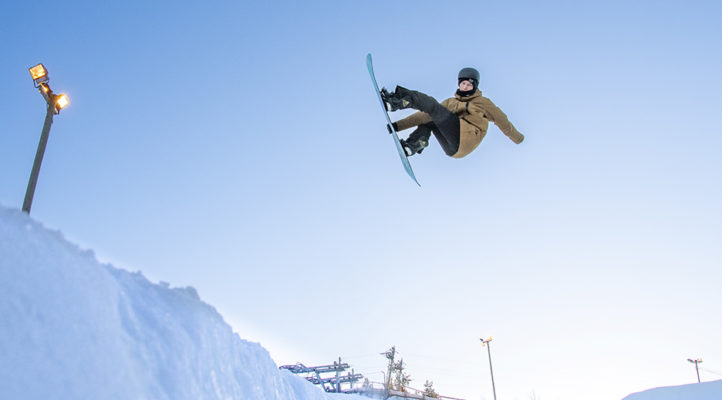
x,y
39,74
61,101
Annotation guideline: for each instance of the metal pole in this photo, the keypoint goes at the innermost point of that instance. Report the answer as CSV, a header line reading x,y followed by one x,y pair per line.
x,y
338,375
488,349
696,367
391,357
30,192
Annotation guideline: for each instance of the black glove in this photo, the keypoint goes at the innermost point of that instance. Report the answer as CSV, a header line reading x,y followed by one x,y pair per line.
x,y
388,127
385,94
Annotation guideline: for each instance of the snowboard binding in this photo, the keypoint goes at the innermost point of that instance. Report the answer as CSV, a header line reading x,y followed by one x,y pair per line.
x,y
396,100
414,146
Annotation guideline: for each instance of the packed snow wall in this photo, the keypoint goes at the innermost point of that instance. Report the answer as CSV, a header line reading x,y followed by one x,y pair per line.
x,y
73,328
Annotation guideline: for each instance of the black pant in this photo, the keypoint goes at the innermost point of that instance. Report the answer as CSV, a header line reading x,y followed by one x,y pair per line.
x,y
445,125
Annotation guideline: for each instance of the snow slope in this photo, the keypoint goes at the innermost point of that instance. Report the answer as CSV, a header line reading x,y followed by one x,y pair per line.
x,y
73,328
697,391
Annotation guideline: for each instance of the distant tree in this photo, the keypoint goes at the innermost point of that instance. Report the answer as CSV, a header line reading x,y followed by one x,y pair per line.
x,y
401,378
429,390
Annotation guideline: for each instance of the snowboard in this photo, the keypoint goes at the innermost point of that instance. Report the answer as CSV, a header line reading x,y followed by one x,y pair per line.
x,y
399,148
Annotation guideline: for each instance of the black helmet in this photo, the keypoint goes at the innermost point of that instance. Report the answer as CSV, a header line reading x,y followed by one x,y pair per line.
x,y
469,73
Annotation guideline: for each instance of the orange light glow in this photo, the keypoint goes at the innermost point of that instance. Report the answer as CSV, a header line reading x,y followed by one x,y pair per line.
x,y
61,102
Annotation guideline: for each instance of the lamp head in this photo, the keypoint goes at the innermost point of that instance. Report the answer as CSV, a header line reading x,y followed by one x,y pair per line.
x,y
61,101
39,74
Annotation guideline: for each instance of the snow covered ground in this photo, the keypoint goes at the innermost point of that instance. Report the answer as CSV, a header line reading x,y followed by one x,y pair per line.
x,y
73,328
697,391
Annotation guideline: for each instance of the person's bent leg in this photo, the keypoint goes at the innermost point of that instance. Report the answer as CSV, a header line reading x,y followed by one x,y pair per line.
x,y
447,133
423,102
445,126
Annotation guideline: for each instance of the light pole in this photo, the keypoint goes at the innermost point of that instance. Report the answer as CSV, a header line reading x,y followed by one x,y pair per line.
x,y
487,343
696,366
55,102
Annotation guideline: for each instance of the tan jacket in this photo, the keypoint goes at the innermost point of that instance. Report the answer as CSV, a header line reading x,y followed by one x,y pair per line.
x,y
474,114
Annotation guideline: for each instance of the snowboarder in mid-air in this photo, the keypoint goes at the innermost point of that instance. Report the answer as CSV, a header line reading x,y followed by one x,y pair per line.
x,y
458,123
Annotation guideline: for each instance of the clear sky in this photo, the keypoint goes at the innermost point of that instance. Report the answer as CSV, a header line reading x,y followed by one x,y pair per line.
x,y
237,147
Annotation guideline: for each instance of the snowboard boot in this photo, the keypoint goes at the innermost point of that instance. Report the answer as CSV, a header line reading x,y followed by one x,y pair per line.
x,y
397,100
412,147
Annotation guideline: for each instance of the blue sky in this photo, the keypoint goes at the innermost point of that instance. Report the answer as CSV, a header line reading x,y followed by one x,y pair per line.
x,y
237,147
